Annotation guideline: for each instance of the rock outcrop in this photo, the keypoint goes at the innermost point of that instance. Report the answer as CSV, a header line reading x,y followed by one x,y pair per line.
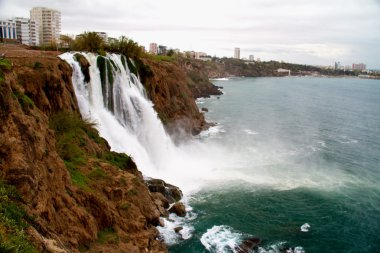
x,y
179,209
171,90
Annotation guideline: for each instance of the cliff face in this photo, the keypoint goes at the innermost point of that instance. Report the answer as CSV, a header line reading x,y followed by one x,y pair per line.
x,y
198,78
168,88
93,199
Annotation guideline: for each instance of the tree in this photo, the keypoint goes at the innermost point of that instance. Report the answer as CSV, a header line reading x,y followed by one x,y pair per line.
x,y
66,41
89,41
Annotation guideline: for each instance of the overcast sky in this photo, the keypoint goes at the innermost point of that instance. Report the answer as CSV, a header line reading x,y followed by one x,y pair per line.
x,y
301,31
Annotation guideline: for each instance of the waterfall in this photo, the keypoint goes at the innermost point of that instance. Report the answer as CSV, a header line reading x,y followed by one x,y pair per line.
x,y
116,101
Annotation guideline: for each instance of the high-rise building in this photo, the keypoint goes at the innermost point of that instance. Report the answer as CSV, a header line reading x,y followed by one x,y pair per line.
x,y
153,49
8,30
22,30
49,24
237,53
251,57
103,35
27,31
337,65
199,55
358,66
162,50
34,33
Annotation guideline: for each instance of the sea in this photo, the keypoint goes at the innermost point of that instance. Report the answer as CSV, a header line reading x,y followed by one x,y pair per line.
x,y
303,172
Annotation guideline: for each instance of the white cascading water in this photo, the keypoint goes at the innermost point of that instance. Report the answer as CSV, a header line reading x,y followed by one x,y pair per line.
x,y
126,119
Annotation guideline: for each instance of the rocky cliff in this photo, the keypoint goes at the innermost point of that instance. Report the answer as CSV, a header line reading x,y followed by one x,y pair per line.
x,y
77,195
173,93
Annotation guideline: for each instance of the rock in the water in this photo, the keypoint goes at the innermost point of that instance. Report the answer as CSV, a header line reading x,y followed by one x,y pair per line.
x,y
179,209
248,245
177,229
161,222
171,193
204,109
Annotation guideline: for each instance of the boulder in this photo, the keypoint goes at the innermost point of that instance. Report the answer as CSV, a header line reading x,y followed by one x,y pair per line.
x,y
179,209
248,245
171,193
204,109
177,229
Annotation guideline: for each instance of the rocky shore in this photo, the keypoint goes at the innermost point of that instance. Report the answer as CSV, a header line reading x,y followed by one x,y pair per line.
x,y
74,194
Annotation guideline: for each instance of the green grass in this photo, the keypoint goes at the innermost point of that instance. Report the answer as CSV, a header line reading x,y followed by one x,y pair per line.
x,y
120,160
12,222
70,129
163,58
97,174
108,235
5,65
78,178
125,206
23,99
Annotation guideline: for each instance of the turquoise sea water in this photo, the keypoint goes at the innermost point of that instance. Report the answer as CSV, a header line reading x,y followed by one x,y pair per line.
x,y
309,152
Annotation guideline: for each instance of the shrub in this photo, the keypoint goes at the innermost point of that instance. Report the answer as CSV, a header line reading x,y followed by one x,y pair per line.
x,y
108,235
38,65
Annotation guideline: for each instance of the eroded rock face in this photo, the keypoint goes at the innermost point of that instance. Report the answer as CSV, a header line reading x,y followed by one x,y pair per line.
x,y
67,215
168,88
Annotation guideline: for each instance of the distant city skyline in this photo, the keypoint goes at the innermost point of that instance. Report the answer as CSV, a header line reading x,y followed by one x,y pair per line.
x,y
317,32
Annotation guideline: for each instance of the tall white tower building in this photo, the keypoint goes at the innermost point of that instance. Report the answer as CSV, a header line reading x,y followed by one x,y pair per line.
x,y
237,53
49,24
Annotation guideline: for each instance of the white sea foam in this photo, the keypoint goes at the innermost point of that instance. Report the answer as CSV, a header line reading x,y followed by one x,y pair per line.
x,y
346,140
212,131
219,79
305,227
220,239
250,132
168,233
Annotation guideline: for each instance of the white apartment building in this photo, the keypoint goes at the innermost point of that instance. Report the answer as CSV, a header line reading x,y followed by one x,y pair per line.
x,y
237,53
34,33
8,29
22,30
153,49
49,24
199,55
251,57
27,31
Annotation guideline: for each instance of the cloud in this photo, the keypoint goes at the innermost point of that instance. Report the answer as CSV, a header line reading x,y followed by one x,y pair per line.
x,y
297,30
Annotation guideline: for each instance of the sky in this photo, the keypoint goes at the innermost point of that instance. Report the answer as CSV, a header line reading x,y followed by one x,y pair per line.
x,y
317,32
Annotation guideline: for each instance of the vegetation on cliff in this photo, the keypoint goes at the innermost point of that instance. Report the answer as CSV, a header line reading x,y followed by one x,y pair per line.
x,y
13,222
